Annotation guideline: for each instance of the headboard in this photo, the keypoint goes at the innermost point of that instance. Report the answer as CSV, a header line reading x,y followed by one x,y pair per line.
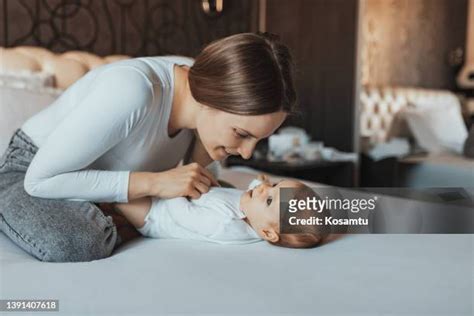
x,y
380,104
66,68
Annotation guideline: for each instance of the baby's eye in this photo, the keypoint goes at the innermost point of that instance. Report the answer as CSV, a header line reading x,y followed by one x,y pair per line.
x,y
269,200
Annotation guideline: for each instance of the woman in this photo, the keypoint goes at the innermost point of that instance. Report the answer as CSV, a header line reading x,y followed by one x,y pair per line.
x,y
120,131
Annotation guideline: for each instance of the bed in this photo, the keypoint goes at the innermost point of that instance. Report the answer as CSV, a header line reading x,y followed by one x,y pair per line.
x,y
348,275
395,274
364,274
381,122
444,169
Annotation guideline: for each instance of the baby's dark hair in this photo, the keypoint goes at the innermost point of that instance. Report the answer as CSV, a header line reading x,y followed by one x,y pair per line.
x,y
308,236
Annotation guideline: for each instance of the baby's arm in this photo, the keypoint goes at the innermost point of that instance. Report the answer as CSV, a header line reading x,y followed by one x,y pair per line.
x,y
135,211
179,217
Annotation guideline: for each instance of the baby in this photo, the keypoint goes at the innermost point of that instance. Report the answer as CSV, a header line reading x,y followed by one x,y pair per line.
x,y
223,215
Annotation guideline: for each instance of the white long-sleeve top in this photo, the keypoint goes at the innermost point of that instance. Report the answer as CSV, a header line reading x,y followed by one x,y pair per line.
x,y
112,121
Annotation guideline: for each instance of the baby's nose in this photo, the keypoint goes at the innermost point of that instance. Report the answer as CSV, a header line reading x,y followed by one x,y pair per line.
x,y
263,187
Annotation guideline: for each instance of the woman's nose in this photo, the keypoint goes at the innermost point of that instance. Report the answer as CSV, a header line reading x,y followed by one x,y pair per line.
x,y
246,150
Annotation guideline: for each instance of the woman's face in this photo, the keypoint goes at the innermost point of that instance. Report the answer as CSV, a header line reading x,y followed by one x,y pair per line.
x,y
224,134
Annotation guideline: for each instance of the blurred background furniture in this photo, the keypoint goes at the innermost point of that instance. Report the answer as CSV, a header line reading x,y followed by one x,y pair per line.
x,y
382,118
64,68
336,173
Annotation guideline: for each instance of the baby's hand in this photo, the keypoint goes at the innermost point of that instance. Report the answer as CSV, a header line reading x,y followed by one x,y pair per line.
x,y
261,178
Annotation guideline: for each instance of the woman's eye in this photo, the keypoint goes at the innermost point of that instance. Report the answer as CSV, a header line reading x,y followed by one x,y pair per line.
x,y
239,135
269,200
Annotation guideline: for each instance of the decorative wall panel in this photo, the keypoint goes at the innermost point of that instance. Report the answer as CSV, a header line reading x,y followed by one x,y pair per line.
x,y
409,42
132,27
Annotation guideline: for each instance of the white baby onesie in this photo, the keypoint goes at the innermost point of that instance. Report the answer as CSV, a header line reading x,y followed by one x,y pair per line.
x,y
214,217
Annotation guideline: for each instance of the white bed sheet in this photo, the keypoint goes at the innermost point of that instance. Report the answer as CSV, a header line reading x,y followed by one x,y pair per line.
x,y
357,274
350,275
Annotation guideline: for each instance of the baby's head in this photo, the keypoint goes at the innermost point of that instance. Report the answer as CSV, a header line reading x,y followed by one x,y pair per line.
x,y
261,207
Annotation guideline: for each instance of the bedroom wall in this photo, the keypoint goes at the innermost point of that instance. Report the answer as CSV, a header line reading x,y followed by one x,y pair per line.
x,y
408,42
322,35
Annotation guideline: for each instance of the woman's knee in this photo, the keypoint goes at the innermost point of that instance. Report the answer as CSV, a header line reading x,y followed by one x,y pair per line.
x,y
54,247
57,230
93,245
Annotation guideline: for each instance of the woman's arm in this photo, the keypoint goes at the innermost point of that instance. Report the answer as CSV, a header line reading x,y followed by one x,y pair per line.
x,y
117,101
135,211
139,186
143,184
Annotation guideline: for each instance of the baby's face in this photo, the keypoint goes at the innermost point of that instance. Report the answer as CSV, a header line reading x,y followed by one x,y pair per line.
x,y
261,205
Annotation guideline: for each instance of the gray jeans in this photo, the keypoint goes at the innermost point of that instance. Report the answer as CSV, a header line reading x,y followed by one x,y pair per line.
x,y
49,229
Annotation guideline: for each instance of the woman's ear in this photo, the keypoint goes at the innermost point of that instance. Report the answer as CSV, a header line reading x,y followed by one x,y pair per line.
x,y
270,235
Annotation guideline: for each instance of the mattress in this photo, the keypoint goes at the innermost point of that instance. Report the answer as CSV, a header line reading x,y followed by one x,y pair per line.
x,y
348,275
437,170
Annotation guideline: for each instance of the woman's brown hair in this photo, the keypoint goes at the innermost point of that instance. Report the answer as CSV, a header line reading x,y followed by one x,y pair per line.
x,y
245,74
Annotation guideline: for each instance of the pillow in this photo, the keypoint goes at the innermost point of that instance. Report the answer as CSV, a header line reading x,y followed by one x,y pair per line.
x,y
26,79
17,105
437,129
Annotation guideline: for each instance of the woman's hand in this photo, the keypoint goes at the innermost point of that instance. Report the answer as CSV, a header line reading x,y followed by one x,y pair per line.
x,y
190,180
